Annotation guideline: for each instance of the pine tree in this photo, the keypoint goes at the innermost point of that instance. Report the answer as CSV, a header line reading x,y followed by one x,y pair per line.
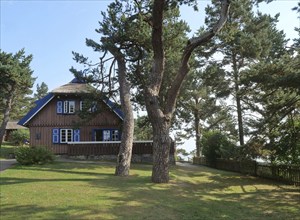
x,y
245,39
16,83
41,91
197,105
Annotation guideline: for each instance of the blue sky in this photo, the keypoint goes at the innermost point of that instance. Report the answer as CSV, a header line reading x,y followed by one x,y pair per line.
x,y
51,30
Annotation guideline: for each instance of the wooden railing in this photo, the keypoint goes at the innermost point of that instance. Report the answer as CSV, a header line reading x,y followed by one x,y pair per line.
x,y
110,148
285,173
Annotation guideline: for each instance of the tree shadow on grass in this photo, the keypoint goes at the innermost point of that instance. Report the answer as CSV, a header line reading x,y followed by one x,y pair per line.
x,y
196,193
53,212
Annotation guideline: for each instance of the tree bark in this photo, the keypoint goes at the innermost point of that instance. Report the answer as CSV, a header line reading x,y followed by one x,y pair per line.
x,y
6,113
161,140
198,134
160,118
238,101
125,152
161,151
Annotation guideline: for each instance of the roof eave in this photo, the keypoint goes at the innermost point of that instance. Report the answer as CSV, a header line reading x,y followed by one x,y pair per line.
x,y
34,111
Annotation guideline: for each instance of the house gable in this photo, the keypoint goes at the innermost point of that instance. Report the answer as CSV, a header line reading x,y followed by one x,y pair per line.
x,y
58,105
75,88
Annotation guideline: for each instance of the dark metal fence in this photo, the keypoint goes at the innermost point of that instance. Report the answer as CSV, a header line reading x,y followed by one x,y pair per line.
x,y
285,173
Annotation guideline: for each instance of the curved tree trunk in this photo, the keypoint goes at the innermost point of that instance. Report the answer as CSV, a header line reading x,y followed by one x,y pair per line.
x,y
125,152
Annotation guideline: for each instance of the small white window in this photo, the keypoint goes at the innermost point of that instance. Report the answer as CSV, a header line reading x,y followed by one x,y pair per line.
x,y
69,107
83,105
106,135
114,135
66,107
66,135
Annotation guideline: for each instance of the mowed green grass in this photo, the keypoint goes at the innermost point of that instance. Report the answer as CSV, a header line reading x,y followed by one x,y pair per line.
x,y
91,191
6,149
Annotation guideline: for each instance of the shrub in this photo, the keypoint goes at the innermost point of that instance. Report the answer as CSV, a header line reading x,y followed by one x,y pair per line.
x,y
19,137
216,145
33,155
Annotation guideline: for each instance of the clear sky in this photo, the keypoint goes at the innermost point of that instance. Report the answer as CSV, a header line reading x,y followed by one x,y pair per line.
x,y
51,30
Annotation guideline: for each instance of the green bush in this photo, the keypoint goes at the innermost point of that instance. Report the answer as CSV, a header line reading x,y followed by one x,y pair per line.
x,y
33,155
216,145
19,137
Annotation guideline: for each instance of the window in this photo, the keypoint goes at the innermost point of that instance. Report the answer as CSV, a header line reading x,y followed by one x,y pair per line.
x,y
106,135
80,105
66,135
65,107
83,105
114,135
69,107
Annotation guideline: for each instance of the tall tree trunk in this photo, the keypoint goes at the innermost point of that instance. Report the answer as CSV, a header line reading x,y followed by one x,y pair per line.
x,y
6,113
198,134
161,140
161,151
161,148
160,115
125,152
238,101
240,120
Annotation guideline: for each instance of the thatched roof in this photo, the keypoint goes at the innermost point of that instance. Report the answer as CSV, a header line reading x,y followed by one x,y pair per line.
x,y
13,125
75,86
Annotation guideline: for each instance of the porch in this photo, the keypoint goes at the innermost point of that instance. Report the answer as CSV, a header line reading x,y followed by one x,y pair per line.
x,y
108,150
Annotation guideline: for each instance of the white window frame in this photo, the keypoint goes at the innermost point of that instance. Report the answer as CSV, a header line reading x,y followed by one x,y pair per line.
x,y
114,135
64,135
93,108
106,135
80,105
69,107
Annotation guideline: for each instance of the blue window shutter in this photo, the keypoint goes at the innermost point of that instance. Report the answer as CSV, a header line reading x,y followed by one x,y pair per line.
x,y
59,107
76,135
55,135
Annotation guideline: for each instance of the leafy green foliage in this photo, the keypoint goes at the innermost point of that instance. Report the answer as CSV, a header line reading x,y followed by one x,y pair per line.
x,y
181,152
15,86
19,137
248,37
199,105
143,129
41,91
216,145
33,155
16,78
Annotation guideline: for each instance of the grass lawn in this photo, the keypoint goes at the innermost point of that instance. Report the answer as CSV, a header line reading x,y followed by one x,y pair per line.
x,y
91,191
6,150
